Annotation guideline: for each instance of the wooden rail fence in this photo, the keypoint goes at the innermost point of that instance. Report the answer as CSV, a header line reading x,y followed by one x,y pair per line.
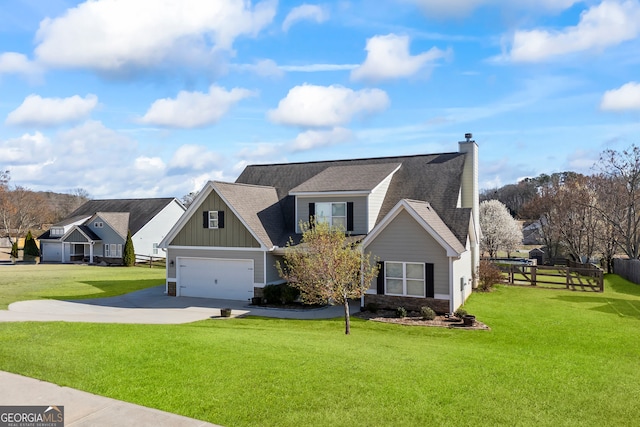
x,y
583,278
151,261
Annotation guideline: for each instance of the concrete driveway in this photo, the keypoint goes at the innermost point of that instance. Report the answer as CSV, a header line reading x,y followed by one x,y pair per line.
x,y
152,306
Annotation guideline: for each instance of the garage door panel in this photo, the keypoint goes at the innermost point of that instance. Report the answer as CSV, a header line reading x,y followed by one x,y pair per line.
x,y
216,278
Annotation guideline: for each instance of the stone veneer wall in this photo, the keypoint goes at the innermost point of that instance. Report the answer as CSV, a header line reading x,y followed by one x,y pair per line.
x,y
171,289
389,302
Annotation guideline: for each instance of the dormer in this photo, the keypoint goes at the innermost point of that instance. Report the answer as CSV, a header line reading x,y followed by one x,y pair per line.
x,y
348,195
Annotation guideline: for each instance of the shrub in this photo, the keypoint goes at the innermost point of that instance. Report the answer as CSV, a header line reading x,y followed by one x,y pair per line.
x,y
460,313
427,313
280,294
401,312
128,253
14,250
30,246
372,307
488,275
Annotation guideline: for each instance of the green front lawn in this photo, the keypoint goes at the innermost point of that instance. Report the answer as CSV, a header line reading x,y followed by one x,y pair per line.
x,y
552,358
66,281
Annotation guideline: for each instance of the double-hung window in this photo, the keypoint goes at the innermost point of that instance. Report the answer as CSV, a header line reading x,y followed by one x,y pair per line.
x,y
405,279
213,219
335,214
113,250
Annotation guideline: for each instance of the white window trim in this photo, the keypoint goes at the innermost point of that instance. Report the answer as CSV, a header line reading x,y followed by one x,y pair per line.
x,y
113,250
213,219
404,279
332,216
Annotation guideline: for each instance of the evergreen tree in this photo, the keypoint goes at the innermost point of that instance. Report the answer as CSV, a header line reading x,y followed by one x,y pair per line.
x,y
30,246
128,254
14,250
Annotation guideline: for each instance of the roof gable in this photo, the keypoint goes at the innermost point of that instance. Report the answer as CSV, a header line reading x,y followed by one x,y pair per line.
x,y
359,178
428,218
257,207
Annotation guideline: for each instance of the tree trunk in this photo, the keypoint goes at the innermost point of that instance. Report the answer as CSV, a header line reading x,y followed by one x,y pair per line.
x,y
347,320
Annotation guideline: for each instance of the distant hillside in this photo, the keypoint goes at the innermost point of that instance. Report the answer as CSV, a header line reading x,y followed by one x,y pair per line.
x,y
61,205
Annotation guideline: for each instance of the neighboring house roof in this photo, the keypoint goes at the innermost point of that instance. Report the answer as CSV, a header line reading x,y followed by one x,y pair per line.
x,y
257,207
83,230
435,178
118,221
139,211
347,178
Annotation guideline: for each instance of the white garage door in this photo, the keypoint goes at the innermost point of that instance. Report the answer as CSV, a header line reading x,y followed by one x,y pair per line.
x,y
215,278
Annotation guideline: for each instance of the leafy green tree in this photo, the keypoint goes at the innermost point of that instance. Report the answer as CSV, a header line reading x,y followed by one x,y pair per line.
x,y
327,267
30,246
128,254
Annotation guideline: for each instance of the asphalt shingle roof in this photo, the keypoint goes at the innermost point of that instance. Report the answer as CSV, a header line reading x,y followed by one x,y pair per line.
x,y
258,207
141,211
429,215
433,178
347,178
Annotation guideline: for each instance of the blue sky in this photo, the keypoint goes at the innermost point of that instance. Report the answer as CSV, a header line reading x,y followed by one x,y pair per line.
x,y
149,98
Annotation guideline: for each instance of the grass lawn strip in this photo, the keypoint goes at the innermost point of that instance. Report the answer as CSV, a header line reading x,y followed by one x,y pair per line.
x,y
551,358
64,281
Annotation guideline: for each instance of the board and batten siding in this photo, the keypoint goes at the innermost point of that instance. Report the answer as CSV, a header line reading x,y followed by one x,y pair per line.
x,y
76,237
233,235
257,256
360,225
404,240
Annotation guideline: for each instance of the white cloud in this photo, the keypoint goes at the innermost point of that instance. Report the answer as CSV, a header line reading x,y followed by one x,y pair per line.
x,y
326,106
626,97
111,35
461,8
321,138
194,109
262,67
388,57
17,63
307,12
149,164
194,157
607,24
38,111
26,149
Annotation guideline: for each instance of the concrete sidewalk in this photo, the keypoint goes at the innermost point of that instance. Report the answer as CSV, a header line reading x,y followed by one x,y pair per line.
x,y
82,409
152,306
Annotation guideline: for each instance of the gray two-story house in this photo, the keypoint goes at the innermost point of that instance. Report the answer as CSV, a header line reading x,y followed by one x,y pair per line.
x,y
418,215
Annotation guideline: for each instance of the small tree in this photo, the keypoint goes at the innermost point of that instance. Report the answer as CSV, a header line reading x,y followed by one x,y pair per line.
x,y
30,246
499,229
128,254
14,250
325,267
488,275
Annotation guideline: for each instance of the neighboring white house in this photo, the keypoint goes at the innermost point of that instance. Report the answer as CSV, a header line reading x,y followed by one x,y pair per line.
x,y
97,230
417,214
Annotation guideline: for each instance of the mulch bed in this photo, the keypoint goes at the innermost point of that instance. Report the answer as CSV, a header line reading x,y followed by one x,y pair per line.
x,y
413,319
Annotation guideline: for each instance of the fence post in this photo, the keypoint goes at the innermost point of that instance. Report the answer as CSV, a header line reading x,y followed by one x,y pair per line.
x,y
534,270
568,276
601,279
